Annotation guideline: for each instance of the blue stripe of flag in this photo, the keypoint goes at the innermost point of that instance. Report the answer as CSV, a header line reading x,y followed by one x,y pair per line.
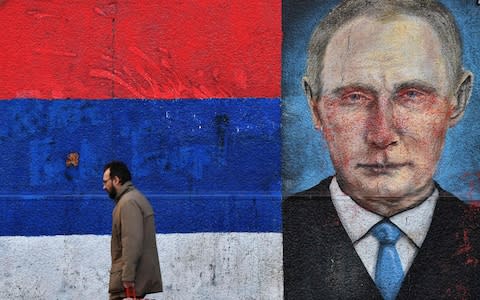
x,y
206,165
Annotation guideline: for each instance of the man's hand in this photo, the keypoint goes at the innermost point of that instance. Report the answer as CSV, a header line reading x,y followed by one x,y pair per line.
x,y
128,284
129,289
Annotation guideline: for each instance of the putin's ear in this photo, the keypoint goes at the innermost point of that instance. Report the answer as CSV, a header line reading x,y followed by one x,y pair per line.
x,y
461,98
313,104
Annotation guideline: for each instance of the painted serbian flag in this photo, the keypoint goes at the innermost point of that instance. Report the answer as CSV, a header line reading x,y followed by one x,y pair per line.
x,y
187,93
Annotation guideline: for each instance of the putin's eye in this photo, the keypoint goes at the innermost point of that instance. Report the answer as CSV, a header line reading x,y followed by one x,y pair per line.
x,y
355,97
412,95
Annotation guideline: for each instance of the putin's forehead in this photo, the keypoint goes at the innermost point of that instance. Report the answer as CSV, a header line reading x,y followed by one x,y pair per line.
x,y
384,52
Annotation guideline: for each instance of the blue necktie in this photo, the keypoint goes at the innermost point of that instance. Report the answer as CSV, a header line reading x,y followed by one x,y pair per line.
x,y
388,273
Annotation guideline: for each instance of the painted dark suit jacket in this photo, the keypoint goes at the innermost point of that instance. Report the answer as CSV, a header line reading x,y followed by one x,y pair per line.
x,y
320,261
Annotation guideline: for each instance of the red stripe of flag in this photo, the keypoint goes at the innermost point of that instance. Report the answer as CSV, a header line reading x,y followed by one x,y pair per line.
x,y
140,49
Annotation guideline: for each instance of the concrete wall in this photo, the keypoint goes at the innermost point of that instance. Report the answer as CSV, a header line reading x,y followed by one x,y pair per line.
x,y
194,266
187,93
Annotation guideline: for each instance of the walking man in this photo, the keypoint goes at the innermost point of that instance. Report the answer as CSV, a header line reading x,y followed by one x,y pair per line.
x,y
135,265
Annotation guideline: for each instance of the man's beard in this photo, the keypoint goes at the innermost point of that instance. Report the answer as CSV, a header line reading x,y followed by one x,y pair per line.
x,y
113,193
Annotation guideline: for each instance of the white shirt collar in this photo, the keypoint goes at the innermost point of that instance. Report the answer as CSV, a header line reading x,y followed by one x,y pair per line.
x,y
357,221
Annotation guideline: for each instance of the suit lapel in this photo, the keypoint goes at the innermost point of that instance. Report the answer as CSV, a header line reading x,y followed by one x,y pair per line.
x,y
320,261
345,266
437,267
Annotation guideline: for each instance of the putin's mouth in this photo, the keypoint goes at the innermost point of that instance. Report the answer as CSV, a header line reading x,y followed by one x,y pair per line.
x,y
382,168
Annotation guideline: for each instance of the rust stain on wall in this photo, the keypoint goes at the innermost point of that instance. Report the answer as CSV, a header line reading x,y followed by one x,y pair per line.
x,y
72,159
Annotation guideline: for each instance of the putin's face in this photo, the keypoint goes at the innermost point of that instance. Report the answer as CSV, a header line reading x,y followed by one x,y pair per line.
x,y
387,102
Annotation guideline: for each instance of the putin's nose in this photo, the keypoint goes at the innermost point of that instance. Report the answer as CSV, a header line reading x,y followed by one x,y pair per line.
x,y
381,129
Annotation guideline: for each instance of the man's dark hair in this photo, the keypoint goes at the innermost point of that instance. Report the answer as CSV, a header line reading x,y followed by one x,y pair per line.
x,y
119,169
431,11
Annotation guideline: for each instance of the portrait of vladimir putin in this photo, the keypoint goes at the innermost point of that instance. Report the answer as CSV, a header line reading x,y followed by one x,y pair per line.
x,y
385,82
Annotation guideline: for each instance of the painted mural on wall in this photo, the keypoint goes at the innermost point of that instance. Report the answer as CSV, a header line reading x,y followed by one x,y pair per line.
x,y
187,93
390,91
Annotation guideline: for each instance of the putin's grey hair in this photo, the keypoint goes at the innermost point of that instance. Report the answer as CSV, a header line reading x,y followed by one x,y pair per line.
x,y
433,12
